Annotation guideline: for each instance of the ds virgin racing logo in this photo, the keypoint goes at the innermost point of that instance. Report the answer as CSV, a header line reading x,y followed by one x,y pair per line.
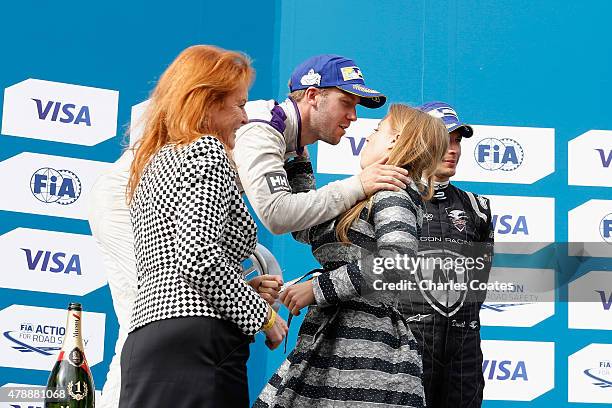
x,y
458,218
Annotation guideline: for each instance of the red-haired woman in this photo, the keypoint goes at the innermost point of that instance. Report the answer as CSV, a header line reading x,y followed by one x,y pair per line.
x,y
194,314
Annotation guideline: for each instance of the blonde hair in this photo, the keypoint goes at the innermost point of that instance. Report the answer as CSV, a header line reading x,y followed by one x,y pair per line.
x,y
194,85
297,95
421,145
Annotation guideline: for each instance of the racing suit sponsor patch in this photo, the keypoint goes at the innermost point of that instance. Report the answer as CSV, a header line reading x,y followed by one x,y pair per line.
x,y
277,181
458,218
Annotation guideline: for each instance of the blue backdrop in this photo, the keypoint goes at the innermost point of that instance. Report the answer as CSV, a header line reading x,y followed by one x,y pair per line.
x,y
541,64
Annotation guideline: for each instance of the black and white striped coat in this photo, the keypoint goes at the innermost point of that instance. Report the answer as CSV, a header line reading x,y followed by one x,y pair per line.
x,y
192,231
354,349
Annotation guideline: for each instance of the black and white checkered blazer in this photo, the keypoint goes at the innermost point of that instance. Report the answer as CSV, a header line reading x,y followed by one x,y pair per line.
x,y
192,230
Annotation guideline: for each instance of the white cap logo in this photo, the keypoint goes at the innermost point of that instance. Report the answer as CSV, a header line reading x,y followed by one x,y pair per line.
x,y
311,78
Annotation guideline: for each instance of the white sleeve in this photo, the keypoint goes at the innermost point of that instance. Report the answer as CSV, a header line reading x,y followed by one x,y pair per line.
x,y
259,154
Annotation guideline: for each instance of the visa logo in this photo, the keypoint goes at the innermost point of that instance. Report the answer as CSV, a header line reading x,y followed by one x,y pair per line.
x,y
606,303
356,146
506,224
67,110
605,160
53,262
504,370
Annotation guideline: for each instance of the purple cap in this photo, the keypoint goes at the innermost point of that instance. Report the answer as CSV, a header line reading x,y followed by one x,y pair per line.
x,y
328,70
448,115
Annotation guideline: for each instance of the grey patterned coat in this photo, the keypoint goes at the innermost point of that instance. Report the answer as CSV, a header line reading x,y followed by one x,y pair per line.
x,y
354,348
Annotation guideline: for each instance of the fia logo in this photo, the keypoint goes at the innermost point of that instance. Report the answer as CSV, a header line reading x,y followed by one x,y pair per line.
x,y
605,228
55,186
504,370
601,375
55,262
36,338
499,154
42,329
44,108
509,225
606,159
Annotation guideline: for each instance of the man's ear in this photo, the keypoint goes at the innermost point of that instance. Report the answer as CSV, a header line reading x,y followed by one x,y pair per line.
x,y
311,95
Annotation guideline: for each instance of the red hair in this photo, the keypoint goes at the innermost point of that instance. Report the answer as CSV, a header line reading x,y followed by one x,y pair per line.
x,y
191,88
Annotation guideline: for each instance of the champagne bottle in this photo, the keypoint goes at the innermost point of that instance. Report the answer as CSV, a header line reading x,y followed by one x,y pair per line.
x,y
71,378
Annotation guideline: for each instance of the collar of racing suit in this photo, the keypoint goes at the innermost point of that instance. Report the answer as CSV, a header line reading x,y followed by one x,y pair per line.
x,y
293,131
440,190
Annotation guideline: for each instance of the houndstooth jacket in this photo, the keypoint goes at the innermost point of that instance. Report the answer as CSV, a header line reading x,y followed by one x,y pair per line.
x,y
192,231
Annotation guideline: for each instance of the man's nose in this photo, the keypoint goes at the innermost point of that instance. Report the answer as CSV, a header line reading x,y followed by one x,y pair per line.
x,y
352,116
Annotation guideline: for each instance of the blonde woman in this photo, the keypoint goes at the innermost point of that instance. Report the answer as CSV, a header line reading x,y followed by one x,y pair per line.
x,y
194,314
354,348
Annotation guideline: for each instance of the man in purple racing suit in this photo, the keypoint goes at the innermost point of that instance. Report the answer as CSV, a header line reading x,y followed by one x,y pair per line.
x,y
443,313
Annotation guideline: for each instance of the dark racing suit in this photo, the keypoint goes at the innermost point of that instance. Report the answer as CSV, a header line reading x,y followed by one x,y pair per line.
x,y
445,321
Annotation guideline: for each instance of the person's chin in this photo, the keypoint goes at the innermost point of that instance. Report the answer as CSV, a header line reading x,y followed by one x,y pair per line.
x,y
335,139
444,172
449,169
339,134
